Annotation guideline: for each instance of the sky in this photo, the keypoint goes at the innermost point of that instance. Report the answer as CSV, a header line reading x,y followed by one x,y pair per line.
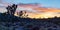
x,y
45,3
53,7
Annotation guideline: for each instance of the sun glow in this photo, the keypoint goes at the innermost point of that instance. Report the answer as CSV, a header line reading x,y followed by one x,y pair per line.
x,y
44,15
39,12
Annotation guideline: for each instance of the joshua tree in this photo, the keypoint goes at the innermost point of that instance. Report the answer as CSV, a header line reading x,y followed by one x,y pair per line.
x,y
8,9
20,13
11,9
23,14
14,7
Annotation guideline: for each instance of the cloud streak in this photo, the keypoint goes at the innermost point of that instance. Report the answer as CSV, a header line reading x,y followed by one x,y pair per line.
x,y
34,10
42,12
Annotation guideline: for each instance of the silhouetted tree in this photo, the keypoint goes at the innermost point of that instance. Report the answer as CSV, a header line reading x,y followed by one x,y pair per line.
x,y
14,7
20,13
8,9
11,10
23,14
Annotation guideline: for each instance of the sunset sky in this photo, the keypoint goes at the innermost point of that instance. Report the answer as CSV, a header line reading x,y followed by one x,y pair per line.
x,y
35,8
46,3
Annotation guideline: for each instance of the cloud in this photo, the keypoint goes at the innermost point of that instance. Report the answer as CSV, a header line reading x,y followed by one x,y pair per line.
x,y
3,3
34,10
0,1
2,10
42,12
2,6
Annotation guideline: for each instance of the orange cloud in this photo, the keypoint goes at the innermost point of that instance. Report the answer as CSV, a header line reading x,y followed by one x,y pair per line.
x,y
41,12
47,9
